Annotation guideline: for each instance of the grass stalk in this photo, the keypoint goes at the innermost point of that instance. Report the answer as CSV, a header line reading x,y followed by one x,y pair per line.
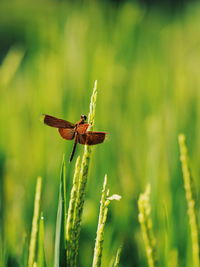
x,y
190,198
83,179
70,214
104,203
101,224
146,226
35,223
117,257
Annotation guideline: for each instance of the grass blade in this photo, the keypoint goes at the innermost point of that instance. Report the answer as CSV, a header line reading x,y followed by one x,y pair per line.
x,y
24,258
189,192
11,64
60,241
35,223
2,205
41,255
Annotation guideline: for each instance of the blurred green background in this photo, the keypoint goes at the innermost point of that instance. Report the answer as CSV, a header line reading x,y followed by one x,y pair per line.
x,y
147,62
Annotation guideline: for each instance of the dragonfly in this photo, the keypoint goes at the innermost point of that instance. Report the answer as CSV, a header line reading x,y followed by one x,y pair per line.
x,y
75,131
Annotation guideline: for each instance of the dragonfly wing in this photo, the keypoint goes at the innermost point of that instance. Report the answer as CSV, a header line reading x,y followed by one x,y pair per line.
x,y
67,134
91,138
57,123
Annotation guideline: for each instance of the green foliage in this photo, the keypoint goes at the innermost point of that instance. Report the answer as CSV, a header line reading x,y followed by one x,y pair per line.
x,y
60,238
146,63
83,176
101,224
117,258
24,256
70,226
32,259
105,201
190,197
41,253
146,227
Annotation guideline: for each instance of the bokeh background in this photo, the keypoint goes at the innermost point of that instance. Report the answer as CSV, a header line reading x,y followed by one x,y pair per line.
x,y
146,59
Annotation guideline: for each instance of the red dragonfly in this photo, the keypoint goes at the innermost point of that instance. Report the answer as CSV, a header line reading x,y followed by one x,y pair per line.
x,y
77,131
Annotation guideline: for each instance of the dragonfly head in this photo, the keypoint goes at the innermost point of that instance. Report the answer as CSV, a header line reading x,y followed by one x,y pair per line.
x,y
83,118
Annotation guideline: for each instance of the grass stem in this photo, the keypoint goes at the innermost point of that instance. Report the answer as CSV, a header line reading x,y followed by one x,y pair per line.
x,y
117,258
190,198
70,214
83,179
104,203
146,226
101,224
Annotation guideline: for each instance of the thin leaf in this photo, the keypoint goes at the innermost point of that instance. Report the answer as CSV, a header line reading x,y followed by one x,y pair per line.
x,y
60,241
2,202
41,255
35,223
24,258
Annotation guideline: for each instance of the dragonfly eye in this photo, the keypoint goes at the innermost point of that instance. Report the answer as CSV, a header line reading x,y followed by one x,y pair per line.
x,y
83,117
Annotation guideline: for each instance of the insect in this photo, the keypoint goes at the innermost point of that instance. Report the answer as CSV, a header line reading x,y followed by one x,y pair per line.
x,y
77,131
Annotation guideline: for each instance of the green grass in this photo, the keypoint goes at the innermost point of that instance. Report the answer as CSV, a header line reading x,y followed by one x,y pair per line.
x,y
103,214
145,221
68,223
146,64
190,197
35,224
